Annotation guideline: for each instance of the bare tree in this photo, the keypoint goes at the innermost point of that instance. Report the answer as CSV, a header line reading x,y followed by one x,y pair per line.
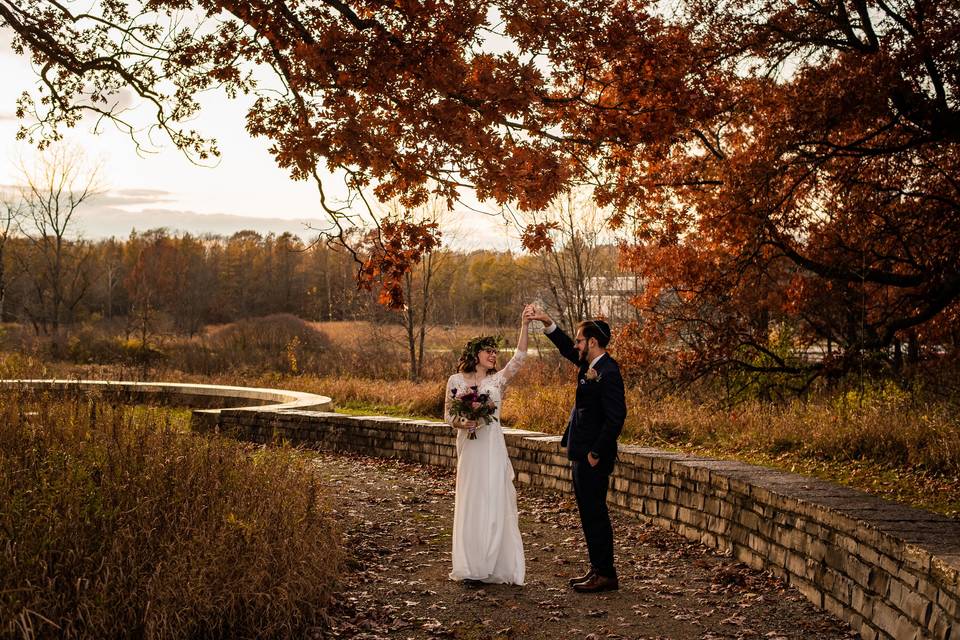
x,y
577,256
111,260
417,313
55,186
11,207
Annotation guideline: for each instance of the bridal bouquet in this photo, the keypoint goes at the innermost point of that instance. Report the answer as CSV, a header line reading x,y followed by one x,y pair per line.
x,y
471,405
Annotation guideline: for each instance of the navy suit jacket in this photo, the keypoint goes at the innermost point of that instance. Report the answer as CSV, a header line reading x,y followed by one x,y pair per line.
x,y
600,408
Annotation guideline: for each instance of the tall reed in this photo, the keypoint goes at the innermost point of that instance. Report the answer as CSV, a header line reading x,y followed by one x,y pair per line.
x,y
114,524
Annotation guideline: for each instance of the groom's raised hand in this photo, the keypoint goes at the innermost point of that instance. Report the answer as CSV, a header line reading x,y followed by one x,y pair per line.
x,y
540,315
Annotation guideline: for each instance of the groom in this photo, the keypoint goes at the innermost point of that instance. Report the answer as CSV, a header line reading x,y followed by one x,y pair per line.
x,y
591,440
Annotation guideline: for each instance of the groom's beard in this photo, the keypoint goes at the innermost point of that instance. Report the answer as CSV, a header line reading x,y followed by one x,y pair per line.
x,y
583,356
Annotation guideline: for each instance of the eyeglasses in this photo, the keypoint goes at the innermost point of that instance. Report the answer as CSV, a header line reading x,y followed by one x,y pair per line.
x,y
492,352
579,340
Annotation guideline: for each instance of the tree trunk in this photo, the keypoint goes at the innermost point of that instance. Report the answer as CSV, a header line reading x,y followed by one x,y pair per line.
x,y
3,281
913,348
409,325
424,309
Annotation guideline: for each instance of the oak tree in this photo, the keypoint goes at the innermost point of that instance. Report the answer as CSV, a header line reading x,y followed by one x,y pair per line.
x,y
783,164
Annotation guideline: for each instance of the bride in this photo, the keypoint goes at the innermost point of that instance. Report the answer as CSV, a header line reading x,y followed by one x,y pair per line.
x,y
486,534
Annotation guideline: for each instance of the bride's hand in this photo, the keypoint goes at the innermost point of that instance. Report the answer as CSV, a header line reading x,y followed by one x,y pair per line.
x,y
527,315
461,423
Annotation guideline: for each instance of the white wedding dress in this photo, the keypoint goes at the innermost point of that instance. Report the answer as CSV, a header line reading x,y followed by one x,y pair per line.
x,y
486,533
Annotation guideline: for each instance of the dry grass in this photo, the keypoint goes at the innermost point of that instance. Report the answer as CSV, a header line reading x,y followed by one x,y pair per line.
x,y
882,425
883,440
370,395
863,437
885,428
278,344
351,333
116,524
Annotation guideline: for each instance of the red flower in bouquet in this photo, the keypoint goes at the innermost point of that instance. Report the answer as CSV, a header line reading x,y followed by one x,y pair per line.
x,y
471,405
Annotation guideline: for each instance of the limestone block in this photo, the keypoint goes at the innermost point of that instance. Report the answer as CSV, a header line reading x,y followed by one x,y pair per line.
x,y
940,626
914,605
653,491
945,569
891,621
808,589
727,510
758,544
748,519
869,632
692,500
717,525
797,565
949,603
708,539
834,606
745,555
862,601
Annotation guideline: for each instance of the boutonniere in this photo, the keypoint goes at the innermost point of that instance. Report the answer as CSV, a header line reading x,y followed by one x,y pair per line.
x,y
591,375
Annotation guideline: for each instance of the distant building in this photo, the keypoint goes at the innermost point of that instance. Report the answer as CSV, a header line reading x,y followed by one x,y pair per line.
x,y
610,296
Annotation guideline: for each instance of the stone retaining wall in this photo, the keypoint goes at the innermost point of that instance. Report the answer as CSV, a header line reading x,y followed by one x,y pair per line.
x,y
890,571
182,394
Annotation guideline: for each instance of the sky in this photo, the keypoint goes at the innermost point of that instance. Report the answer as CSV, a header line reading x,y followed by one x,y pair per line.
x,y
245,189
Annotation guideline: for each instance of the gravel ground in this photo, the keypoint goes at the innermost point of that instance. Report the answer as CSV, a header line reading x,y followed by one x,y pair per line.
x,y
397,519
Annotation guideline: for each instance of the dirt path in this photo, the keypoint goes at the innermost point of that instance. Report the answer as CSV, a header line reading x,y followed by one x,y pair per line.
x,y
398,521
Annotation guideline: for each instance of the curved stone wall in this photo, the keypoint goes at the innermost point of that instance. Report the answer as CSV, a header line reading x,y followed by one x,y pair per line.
x,y
186,394
888,570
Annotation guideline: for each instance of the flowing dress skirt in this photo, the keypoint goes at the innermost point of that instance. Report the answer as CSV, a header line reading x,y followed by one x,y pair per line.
x,y
486,534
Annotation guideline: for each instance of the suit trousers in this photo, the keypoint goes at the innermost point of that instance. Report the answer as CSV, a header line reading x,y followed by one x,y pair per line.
x,y
590,487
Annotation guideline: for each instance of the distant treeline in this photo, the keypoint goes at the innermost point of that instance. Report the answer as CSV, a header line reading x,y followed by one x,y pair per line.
x,y
197,280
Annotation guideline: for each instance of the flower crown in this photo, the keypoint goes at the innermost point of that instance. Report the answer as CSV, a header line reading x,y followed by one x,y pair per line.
x,y
479,343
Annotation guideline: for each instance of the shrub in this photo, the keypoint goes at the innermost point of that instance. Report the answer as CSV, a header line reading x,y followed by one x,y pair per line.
x,y
280,342
114,524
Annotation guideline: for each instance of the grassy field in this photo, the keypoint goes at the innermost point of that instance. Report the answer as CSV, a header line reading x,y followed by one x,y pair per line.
x,y
875,437
116,522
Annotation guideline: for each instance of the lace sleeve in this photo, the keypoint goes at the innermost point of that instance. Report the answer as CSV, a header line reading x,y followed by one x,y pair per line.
x,y
511,368
451,387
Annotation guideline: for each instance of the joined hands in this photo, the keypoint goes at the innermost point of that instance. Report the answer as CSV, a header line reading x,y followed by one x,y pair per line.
x,y
530,312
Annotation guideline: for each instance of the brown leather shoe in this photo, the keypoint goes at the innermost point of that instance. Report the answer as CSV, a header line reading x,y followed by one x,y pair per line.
x,y
583,578
596,584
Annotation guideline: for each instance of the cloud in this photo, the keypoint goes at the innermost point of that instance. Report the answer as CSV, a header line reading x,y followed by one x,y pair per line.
x,y
98,221
145,193
119,211
134,198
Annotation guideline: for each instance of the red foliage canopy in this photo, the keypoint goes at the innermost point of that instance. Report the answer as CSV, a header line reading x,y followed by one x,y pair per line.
x,y
783,162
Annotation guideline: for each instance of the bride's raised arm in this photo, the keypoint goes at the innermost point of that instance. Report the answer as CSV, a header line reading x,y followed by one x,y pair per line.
x,y
511,368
